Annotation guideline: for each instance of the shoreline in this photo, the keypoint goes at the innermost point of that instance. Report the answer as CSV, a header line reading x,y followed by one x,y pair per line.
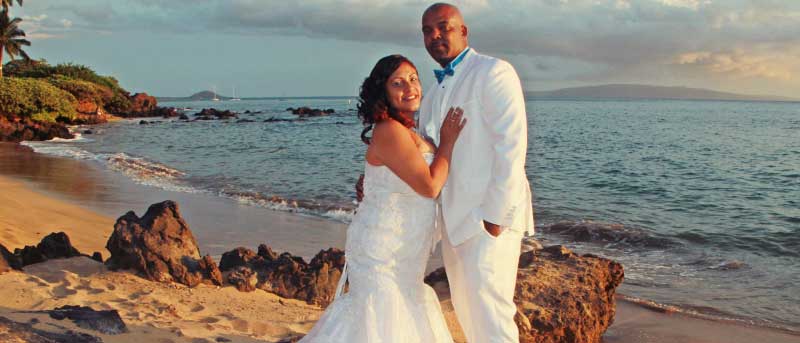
x,y
96,193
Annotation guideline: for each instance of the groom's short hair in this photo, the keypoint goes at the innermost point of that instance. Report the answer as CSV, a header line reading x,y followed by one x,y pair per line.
x,y
439,5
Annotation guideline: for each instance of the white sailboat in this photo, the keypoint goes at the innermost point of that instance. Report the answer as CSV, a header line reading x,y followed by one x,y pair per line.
x,y
234,98
215,94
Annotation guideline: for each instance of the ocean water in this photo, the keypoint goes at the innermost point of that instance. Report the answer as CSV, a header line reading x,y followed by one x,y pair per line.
x,y
699,200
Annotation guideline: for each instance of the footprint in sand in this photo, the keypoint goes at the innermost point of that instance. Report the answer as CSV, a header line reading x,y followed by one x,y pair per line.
x,y
263,329
210,320
120,300
64,290
240,325
198,308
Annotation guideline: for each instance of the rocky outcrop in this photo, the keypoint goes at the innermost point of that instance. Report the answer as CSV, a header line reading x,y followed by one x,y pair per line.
x,y
212,114
243,278
285,275
240,256
561,297
160,247
16,129
54,245
142,104
310,112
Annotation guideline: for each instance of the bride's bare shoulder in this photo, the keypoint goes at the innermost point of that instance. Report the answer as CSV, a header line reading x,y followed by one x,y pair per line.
x,y
389,130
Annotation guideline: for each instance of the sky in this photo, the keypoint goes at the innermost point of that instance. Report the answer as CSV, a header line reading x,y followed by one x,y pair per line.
x,y
327,47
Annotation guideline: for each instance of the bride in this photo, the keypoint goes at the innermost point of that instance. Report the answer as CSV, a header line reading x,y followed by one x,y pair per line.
x,y
392,234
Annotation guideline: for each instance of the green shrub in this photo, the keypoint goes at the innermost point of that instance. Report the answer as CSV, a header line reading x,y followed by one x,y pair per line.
x,y
24,68
82,72
35,98
41,69
83,90
119,104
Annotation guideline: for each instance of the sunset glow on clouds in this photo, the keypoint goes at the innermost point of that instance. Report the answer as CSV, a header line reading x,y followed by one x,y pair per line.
x,y
553,43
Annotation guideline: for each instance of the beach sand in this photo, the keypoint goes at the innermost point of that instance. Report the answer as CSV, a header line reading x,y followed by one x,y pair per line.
x,y
47,194
27,216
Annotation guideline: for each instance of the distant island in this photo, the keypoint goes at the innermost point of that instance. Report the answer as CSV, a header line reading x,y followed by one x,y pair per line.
x,y
199,96
634,91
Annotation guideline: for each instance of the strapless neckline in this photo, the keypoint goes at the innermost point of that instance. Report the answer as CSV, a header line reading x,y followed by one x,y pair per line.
x,y
424,154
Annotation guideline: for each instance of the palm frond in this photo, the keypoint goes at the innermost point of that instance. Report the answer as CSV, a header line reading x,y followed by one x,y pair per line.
x,y
11,36
7,3
20,41
24,55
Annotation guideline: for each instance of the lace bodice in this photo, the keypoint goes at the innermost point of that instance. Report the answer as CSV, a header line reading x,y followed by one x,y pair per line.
x,y
393,228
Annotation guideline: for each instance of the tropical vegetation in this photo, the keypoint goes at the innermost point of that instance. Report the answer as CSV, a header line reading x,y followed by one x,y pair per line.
x,y
35,98
11,37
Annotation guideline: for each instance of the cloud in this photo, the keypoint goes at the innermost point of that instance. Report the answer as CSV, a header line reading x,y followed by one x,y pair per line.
x,y
744,64
588,40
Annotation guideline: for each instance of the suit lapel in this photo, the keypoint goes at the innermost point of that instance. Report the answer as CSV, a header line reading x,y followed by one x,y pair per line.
x,y
456,81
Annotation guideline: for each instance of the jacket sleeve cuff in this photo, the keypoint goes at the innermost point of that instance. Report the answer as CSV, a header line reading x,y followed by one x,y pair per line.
x,y
499,215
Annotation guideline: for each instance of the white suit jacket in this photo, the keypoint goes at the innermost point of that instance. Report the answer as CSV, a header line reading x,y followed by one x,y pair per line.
x,y
487,178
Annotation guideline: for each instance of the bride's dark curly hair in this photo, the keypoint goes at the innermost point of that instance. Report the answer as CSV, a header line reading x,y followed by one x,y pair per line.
x,y
373,103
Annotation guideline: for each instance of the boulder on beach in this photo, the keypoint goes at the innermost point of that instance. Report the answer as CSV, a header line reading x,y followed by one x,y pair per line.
x,y
107,322
561,297
160,247
54,245
286,275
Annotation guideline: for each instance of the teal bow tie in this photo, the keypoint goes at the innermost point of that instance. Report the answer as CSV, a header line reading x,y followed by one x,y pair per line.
x,y
449,69
442,73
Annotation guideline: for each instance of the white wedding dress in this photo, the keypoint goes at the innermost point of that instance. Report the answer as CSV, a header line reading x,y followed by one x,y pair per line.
x,y
388,245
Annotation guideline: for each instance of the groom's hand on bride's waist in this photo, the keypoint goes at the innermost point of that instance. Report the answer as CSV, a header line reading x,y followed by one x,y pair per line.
x,y
492,228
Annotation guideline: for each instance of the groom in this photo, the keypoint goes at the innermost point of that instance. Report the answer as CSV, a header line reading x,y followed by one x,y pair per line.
x,y
486,203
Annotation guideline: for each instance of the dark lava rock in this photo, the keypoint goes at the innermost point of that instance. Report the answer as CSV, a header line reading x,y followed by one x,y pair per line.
x,y
107,322
183,117
8,260
11,331
16,129
88,132
143,122
561,297
235,258
243,279
287,275
54,245
160,246
97,256
212,112
310,112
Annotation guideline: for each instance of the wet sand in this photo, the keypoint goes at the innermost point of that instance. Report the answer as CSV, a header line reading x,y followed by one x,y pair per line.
x,y
219,224
83,197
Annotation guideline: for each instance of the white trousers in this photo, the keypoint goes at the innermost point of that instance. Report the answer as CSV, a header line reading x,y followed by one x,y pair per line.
x,y
482,273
